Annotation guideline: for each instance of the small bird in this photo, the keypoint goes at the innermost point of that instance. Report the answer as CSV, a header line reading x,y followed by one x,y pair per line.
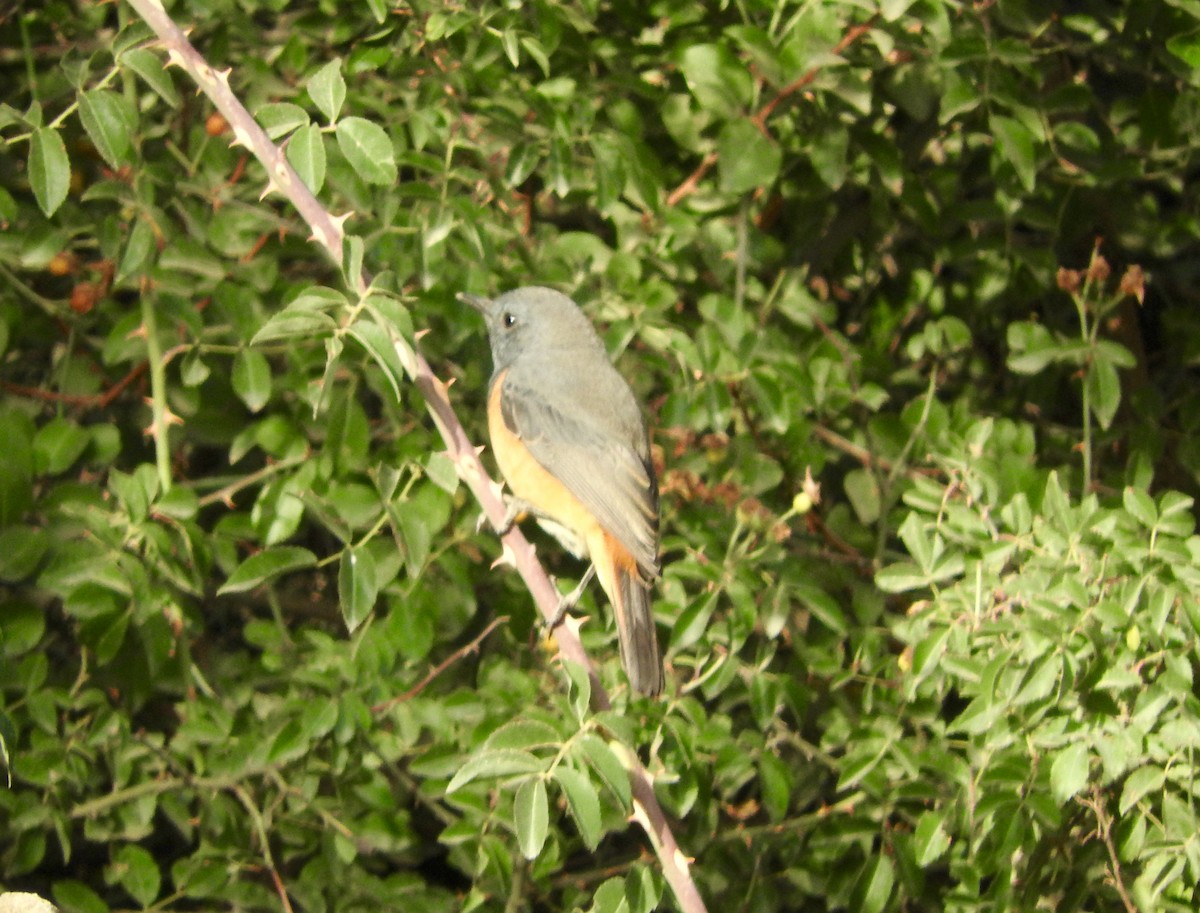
x,y
569,439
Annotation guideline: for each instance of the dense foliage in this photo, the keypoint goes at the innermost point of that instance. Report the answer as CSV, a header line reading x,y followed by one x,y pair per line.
x,y
908,290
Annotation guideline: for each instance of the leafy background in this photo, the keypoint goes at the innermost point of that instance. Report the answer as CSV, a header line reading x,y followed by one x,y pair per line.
x,y
939,257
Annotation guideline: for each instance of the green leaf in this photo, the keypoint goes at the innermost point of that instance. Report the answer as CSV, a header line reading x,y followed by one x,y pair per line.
x,y
252,378
49,169
930,841
525,735
1141,506
306,153
502,762
294,323
73,896
21,550
531,816
862,490
1016,145
380,346
748,158
901,577
281,118
267,564
606,763
22,625
8,736
1030,347
1069,771
327,89
1186,47
58,444
368,149
693,621
1104,391
149,66
775,778
873,889
137,251
583,801
718,80
111,122
610,897
136,871
358,586
1138,785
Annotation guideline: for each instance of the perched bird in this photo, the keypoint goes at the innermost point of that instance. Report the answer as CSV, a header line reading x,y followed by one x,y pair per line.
x,y
569,438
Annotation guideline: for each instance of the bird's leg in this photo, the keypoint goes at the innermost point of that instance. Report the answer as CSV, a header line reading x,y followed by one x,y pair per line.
x,y
567,602
514,509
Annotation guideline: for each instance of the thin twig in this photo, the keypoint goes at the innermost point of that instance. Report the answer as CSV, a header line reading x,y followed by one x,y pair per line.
x,y
1104,829
440,667
759,118
852,35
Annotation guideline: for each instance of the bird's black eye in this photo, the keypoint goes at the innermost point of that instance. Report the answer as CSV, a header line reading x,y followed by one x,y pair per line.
x,y
509,320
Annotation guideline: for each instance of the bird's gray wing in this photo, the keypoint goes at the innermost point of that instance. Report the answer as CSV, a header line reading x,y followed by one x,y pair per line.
x,y
607,469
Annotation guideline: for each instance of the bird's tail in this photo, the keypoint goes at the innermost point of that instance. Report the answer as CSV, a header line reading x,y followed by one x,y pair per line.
x,y
635,631
631,602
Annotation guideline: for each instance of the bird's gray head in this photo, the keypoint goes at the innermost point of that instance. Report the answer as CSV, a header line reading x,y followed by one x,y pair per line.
x,y
532,322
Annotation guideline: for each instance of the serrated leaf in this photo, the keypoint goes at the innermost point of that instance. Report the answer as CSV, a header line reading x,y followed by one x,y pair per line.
x,y
1016,145
502,762
1104,391
58,444
748,159
149,67
718,80
1030,347
306,153
693,621
76,897
110,121
137,251
524,735
1139,784
353,251
327,89
873,890
252,378
583,801
267,564
358,585
1069,771
21,550
1141,506
281,118
49,169
775,779
606,763
610,897
531,817
295,324
378,343
862,490
137,872
929,838
1186,47
368,149
901,577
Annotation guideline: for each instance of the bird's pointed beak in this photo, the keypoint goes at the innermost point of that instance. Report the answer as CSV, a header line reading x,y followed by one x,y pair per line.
x,y
481,304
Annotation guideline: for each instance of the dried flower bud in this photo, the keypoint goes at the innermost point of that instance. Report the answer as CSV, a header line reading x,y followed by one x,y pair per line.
x,y
1098,269
1133,283
1068,280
